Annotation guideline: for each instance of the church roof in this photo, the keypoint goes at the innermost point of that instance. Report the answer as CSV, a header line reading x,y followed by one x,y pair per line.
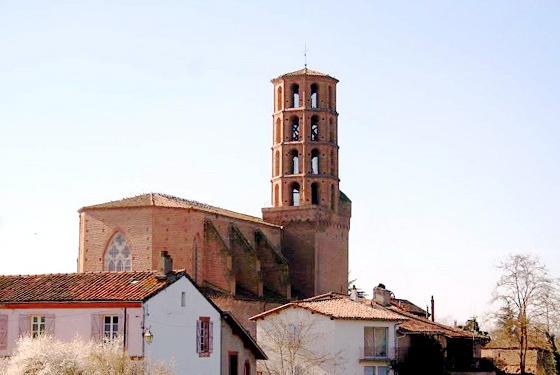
x,y
338,306
170,201
308,72
84,287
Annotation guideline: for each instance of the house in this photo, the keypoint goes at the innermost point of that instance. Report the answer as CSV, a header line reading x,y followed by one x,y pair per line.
x,y
461,349
159,315
332,333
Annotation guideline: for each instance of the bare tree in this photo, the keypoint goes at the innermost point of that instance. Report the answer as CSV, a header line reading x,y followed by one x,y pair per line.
x,y
526,294
292,348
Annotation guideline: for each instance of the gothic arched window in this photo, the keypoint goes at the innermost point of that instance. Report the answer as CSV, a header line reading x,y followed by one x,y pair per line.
x,y
295,95
330,99
118,257
295,162
314,128
295,195
277,163
314,95
315,193
279,98
315,161
295,129
277,131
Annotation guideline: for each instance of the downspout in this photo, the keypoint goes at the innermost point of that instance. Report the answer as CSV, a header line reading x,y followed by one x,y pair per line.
x,y
125,341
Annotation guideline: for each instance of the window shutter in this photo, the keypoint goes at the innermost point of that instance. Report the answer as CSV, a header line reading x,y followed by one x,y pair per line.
x,y
24,325
3,332
49,324
198,336
96,327
120,325
210,336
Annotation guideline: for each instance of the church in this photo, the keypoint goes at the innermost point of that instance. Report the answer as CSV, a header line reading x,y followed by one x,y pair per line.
x,y
245,264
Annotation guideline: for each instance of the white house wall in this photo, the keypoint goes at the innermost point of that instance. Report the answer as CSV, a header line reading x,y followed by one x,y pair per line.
x,y
174,330
343,339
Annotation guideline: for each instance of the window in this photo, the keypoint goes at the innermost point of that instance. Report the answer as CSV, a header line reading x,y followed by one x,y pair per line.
x,y
295,95
315,193
294,201
314,95
314,128
3,332
204,337
247,368
117,255
295,129
38,324
277,163
110,327
183,299
277,131
331,130
330,98
375,341
276,196
315,162
233,363
294,167
279,98
333,163
376,370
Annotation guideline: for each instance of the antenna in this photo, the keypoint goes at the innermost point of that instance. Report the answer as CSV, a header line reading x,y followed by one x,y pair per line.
x,y
305,55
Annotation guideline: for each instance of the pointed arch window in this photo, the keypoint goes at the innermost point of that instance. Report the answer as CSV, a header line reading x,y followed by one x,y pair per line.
x,y
330,98
332,197
315,161
117,256
331,130
277,163
295,95
277,131
314,95
295,129
295,194
294,167
279,98
276,196
314,128
315,193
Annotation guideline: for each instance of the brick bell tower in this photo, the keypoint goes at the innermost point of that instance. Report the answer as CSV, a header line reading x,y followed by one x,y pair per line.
x,y
306,198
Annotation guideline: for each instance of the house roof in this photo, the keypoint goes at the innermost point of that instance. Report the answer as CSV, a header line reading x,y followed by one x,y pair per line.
x,y
170,201
420,325
338,306
84,287
408,306
305,71
104,287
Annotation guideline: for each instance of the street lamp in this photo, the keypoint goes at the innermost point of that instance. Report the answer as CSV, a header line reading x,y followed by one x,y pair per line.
x,y
148,336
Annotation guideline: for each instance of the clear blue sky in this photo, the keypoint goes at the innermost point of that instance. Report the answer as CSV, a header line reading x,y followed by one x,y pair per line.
x,y
449,125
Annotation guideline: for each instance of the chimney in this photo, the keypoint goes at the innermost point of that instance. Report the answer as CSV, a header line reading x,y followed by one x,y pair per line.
x,y
433,313
381,295
354,293
165,263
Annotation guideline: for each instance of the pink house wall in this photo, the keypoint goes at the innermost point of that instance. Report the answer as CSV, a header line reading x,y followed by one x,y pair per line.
x,y
70,323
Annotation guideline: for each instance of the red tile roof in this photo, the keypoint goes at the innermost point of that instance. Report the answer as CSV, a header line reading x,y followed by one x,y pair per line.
x,y
417,324
306,71
338,306
83,287
170,201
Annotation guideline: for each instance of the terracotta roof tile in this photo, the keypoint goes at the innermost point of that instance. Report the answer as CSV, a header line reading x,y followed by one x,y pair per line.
x,y
416,324
84,287
308,72
170,201
339,306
